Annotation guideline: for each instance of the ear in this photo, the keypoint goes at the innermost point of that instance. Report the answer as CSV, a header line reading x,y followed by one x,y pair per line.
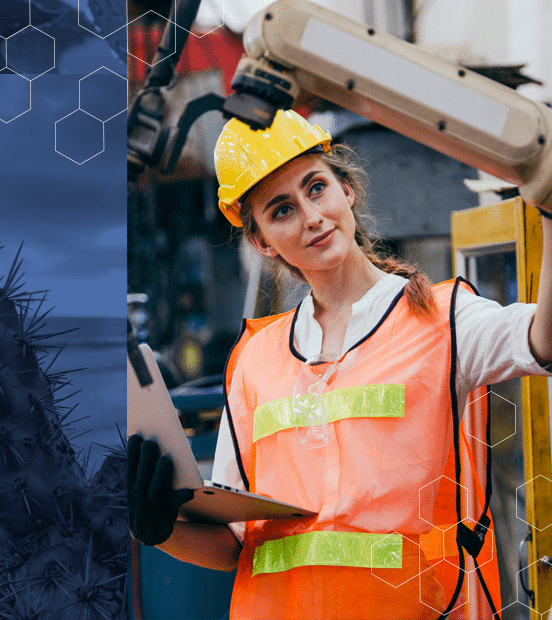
x,y
263,247
349,193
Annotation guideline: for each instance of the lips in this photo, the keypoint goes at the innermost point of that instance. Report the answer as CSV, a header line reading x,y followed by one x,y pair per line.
x,y
320,238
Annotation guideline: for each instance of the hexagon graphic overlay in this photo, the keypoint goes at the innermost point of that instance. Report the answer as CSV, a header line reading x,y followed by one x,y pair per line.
x,y
30,52
109,19
443,536
108,16
428,493
16,96
397,548
542,564
79,136
213,15
460,601
508,426
103,94
485,555
546,485
144,18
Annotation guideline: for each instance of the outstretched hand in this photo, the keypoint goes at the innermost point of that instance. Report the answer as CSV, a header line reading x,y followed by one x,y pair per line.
x,y
152,504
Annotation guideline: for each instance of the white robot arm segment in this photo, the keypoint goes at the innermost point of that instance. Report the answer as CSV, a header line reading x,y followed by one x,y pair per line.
x,y
451,109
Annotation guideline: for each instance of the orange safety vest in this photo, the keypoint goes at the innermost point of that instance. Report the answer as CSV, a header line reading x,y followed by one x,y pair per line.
x,y
389,488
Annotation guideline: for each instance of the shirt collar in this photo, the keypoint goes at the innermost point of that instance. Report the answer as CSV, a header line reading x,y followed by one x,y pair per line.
x,y
308,333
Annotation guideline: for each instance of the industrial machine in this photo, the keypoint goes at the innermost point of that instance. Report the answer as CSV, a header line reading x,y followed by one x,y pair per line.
x,y
295,46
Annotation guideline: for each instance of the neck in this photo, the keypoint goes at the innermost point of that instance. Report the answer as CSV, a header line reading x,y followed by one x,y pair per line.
x,y
337,289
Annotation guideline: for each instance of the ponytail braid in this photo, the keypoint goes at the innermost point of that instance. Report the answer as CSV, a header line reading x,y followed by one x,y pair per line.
x,y
346,167
418,288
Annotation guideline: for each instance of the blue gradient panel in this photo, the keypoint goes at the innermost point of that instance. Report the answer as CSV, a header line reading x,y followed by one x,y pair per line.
x,y
63,195
63,159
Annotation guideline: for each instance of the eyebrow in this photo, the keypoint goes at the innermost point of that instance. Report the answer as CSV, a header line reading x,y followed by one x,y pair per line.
x,y
281,197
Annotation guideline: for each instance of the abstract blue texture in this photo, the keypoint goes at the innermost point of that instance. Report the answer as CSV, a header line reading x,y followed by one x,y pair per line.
x,y
71,218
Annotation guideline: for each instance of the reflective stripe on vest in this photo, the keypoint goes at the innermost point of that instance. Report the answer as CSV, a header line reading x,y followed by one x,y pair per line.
x,y
328,548
362,401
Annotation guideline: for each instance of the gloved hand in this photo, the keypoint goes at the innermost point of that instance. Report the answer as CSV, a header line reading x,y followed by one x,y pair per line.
x,y
152,504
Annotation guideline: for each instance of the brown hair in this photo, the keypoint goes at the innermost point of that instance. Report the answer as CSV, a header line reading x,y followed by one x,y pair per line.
x,y
344,164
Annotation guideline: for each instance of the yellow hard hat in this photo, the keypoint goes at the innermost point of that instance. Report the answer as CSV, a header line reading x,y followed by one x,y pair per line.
x,y
243,157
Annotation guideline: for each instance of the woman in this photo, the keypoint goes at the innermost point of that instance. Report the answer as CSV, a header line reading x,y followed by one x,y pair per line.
x,y
403,358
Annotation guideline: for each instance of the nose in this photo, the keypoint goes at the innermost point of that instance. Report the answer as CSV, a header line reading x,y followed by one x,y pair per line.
x,y
312,215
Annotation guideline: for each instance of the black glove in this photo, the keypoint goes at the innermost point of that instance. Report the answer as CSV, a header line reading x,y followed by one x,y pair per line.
x,y
152,504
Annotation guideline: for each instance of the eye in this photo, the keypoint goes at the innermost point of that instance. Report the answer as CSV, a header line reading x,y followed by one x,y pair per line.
x,y
280,211
317,187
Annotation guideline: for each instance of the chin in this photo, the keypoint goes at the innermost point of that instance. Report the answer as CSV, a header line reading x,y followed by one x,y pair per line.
x,y
324,264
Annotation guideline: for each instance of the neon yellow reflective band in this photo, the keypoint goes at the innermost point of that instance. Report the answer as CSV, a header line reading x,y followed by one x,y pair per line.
x,y
359,401
329,549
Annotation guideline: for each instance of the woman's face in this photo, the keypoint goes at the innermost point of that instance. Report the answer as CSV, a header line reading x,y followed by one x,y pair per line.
x,y
304,215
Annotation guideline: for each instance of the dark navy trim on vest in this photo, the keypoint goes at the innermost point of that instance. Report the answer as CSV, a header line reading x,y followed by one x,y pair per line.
x,y
484,521
391,307
292,348
461,279
457,463
229,413
456,439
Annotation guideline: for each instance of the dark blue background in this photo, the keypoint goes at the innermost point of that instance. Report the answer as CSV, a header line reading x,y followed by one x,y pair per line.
x,y
72,218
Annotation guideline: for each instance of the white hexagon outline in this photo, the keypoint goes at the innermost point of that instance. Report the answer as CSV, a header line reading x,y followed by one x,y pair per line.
x,y
200,36
141,59
440,611
197,36
30,101
95,33
92,73
5,52
406,580
515,420
432,482
499,611
67,156
139,16
541,614
21,30
466,553
522,485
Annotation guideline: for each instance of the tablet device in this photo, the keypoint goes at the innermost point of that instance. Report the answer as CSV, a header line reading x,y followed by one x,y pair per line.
x,y
151,413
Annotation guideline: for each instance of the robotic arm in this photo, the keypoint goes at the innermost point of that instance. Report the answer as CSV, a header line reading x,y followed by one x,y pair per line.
x,y
294,44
